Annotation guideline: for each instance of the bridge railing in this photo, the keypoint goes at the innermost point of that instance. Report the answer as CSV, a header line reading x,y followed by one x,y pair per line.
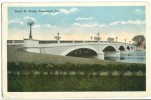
x,y
15,42
21,42
79,41
47,42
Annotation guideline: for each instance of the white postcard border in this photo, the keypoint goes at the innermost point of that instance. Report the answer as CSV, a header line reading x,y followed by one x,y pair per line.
x,y
48,95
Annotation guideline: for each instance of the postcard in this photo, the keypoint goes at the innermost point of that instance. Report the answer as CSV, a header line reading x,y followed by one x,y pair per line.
x,y
75,50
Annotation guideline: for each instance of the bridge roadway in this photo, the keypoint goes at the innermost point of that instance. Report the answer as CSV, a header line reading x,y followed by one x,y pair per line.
x,y
102,48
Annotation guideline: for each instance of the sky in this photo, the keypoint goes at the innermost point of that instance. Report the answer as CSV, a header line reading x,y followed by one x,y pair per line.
x,y
77,23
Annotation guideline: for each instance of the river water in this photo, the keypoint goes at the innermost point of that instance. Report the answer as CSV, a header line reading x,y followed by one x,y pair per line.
x,y
131,57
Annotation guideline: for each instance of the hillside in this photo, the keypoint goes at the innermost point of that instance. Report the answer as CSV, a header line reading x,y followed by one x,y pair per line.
x,y
17,54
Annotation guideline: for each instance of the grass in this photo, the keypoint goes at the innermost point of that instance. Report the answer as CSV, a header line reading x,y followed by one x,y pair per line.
x,y
47,83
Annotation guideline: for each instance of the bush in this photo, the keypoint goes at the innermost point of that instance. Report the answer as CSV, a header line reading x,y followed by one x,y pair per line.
x,y
88,69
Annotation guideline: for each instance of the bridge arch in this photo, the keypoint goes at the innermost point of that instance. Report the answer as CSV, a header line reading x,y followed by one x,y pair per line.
x,y
121,48
109,48
80,49
83,52
128,47
110,52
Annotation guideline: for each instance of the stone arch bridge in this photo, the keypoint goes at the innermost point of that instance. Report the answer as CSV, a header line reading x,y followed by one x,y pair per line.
x,y
101,49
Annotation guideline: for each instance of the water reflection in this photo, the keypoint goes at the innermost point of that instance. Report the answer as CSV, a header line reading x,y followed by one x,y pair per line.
x,y
130,57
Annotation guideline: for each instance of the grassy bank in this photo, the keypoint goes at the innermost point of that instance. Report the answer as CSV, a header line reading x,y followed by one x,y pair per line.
x,y
46,83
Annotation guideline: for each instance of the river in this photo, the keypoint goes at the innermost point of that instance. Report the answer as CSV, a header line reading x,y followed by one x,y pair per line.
x,y
138,56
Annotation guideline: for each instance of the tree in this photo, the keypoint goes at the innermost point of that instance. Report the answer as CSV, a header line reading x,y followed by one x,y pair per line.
x,y
138,40
109,39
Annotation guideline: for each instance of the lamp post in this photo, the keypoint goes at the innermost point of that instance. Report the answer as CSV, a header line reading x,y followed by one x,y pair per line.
x,y
30,23
116,39
116,42
98,38
125,40
58,37
125,43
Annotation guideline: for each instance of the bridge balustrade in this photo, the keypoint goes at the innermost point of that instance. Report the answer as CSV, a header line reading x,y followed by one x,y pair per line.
x,y
18,41
78,41
9,41
47,42
87,41
15,42
66,41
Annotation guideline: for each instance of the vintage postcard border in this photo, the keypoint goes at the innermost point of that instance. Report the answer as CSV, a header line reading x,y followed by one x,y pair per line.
x,y
47,95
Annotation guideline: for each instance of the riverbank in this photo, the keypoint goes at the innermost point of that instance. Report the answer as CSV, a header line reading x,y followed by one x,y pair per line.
x,y
140,49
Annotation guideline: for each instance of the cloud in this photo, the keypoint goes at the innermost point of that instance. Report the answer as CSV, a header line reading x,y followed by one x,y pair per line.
x,y
64,11
136,22
102,25
16,21
129,22
68,11
138,11
115,23
21,21
80,18
30,18
83,25
89,25
37,26
49,26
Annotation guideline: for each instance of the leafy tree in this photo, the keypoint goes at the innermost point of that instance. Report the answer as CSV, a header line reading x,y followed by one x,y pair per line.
x,y
138,40
109,39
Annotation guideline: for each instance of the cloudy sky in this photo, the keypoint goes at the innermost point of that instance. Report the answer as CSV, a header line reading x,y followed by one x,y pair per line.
x,y
77,23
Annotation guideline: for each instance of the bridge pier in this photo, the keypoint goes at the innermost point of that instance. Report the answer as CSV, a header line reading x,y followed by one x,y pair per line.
x,y
112,54
101,55
118,53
